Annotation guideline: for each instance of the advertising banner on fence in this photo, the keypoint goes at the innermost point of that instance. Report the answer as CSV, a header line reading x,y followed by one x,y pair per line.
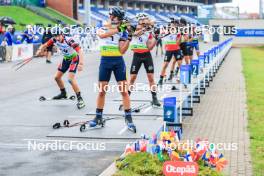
x,y
22,51
250,33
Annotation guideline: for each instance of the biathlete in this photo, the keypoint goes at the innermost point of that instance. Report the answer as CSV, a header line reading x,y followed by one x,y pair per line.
x,y
187,47
172,47
195,42
72,61
143,42
114,42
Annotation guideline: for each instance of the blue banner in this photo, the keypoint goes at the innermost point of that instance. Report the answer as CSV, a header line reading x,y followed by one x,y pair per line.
x,y
250,33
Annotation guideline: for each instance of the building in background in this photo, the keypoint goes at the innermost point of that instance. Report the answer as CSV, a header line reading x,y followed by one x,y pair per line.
x,y
67,7
261,9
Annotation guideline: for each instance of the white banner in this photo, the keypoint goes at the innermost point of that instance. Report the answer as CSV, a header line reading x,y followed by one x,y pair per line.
x,y
22,51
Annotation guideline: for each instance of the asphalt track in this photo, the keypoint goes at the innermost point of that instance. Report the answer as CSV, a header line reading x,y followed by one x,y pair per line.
x,y
23,117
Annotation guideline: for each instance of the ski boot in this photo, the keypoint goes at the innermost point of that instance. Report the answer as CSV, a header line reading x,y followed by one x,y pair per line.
x,y
97,121
160,82
80,103
176,72
155,101
170,77
60,96
130,124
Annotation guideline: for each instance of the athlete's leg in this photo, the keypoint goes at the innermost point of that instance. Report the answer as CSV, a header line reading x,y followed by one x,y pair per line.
x,y
49,53
187,60
133,78
123,88
103,85
197,49
172,68
99,103
161,47
157,49
73,82
135,67
58,79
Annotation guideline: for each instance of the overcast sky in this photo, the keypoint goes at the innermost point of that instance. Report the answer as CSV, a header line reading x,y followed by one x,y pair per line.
x,y
247,5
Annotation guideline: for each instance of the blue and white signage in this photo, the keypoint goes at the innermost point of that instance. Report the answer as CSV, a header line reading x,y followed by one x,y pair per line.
x,y
250,33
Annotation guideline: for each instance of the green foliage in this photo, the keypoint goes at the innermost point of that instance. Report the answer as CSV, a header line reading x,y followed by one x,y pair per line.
x,y
22,16
145,164
253,64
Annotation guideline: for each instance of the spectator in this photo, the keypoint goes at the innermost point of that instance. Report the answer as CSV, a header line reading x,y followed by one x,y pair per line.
x,y
8,38
1,29
46,37
28,35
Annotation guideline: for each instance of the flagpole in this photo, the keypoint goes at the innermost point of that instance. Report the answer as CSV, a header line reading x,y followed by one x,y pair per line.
x,y
87,8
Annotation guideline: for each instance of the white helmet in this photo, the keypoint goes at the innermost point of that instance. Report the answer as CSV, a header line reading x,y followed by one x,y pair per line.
x,y
141,16
9,27
29,26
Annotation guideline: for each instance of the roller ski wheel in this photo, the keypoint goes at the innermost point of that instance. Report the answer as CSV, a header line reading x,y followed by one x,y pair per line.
x,y
72,97
80,104
174,88
137,110
93,124
130,125
42,98
56,126
66,123
82,127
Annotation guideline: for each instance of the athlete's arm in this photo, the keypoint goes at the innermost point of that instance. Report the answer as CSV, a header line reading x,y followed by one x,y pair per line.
x,y
178,39
78,49
123,46
44,46
103,34
151,42
81,57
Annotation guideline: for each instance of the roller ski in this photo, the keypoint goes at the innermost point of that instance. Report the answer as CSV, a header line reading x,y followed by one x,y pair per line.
x,y
80,103
66,124
58,97
130,124
135,110
95,123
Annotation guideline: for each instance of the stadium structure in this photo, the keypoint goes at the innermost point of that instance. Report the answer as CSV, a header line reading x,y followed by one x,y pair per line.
x,y
161,10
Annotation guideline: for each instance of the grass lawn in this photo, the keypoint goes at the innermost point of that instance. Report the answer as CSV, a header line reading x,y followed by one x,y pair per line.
x,y
253,63
55,14
24,16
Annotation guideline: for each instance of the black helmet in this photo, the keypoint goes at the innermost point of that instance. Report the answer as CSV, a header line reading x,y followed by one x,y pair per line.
x,y
117,12
183,21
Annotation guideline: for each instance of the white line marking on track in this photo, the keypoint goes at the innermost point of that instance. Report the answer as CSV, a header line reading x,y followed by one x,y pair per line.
x,y
122,131
147,109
